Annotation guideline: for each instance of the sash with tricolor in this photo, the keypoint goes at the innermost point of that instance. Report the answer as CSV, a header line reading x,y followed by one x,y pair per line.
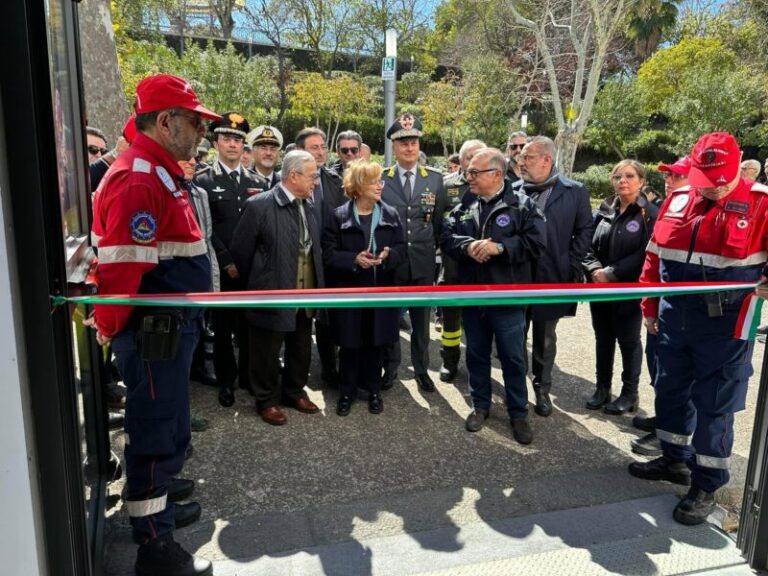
x,y
470,295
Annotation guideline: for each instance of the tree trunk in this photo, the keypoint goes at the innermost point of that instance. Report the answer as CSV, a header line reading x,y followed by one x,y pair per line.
x,y
567,142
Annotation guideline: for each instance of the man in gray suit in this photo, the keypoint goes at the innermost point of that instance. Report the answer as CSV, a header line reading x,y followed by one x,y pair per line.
x,y
417,193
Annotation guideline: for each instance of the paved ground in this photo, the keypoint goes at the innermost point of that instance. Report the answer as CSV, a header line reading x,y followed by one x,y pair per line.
x,y
332,487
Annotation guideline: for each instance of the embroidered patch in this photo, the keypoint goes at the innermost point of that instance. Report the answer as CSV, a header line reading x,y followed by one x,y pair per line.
x,y
678,203
738,207
143,227
166,178
427,199
141,165
452,192
632,226
503,220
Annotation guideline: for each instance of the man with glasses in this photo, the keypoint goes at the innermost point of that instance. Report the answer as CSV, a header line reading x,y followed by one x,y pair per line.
x,y
495,234
276,246
515,144
418,195
349,146
149,243
267,142
565,204
456,187
229,185
326,197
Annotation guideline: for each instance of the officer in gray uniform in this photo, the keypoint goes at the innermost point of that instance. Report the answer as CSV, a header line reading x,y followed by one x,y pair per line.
x,y
418,195
456,186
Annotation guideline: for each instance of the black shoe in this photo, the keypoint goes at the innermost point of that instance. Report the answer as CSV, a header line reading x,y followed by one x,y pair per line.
x,y
115,420
180,489
645,423
375,404
600,397
695,507
186,514
521,430
344,405
388,380
226,396
647,445
624,403
543,406
164,556
425,383
447,374
662,468
475,420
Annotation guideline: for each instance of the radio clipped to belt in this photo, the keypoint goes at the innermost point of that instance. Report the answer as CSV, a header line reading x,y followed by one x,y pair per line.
x,y
158,334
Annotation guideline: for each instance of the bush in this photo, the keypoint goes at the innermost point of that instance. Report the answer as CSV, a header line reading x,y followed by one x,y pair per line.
x,y
597,179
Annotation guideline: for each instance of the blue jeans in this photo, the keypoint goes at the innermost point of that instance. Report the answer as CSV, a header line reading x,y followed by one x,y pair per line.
x,y
507,326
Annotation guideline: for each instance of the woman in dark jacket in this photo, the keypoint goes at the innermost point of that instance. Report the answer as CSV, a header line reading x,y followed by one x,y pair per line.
x,y
362,246
622,228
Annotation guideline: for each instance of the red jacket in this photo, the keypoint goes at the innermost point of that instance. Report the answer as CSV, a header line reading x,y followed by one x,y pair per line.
x,y
697,239
145,230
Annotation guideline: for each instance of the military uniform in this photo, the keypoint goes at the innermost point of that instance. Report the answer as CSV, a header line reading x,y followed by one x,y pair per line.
x,y
228,191
421,213
456,186
266,135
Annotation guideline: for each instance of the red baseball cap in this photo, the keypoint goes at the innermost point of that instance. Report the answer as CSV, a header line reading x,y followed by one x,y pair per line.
x,y
164,91
681,167
715,161
129,129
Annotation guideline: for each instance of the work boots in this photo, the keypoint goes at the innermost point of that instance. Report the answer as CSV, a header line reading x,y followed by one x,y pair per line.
x,y
600,397
662,468
164,556
695,507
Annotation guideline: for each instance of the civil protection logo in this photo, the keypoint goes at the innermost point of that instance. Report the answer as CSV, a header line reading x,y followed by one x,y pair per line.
x,y
143,227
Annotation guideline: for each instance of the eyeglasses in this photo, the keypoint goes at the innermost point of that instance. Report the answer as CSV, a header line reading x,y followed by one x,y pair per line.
x,y
312,175
476,173
515,146
353,150
194,119
96,150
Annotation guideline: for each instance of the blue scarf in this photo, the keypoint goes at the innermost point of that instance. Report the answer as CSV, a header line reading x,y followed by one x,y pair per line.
x,y
375,219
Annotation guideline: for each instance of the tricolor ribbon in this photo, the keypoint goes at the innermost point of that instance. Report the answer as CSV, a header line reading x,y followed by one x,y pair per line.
x,y
470,295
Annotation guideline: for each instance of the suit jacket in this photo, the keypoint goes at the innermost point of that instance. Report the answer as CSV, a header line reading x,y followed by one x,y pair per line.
x,y
329,197
265,247
421,216
569,236
227,202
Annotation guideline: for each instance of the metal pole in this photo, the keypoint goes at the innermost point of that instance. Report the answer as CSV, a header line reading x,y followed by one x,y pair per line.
x,y
389,95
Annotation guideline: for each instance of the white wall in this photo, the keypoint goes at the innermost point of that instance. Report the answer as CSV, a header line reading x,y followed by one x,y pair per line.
x,y
20,541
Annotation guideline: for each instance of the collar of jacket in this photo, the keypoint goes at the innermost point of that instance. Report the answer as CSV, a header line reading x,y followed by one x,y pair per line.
x,y
158,154
280,197
508,197
393,170
348,218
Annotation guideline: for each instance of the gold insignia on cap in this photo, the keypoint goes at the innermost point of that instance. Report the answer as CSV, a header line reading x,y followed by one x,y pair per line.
x,y
406,121
236,119
267,133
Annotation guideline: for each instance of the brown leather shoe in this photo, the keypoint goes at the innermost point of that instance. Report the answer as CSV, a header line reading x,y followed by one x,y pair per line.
x,y
273,415
306,406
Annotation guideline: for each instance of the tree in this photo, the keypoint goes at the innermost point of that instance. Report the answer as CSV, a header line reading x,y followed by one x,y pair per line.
x,y
329,100
580,30
323,26
617,118
443,112
649,22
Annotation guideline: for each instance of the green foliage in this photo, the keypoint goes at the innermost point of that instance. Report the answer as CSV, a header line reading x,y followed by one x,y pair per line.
x,y
597,179
444,113
411,86
617,118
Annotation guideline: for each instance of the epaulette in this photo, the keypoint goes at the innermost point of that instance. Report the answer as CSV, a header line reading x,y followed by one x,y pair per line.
x,y
423,170
202,170
757,187
253,175
391,170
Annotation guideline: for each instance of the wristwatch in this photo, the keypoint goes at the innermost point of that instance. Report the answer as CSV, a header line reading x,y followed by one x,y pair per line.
x,y
499,248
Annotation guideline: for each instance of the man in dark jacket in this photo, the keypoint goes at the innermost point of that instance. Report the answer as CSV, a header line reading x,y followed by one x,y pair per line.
x,y
418,195
495,234
228,185
276,246
326,197
565,204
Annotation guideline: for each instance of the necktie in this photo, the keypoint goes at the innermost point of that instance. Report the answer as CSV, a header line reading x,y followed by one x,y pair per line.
x,y
304,242
408,189
235,175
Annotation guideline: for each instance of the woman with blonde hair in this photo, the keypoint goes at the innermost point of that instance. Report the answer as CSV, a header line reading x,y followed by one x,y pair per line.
x,y
362,245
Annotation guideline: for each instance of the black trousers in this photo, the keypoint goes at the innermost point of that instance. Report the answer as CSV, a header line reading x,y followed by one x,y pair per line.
x,y
543,351
226,322
269,388
419,344
326,349
360,368
617,322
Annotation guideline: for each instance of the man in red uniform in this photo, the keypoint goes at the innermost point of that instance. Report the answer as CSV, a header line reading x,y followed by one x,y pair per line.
x,y
714,230
149,242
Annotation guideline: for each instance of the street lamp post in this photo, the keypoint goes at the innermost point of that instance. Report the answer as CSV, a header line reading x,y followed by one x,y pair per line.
x,y
390,84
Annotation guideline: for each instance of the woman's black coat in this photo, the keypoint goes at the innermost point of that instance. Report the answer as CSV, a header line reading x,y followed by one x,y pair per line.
x,y
343,240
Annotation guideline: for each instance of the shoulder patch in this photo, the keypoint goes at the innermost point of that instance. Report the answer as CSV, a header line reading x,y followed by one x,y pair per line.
x,y
166,178
143,227
756,187
141,165
391,171
423,171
